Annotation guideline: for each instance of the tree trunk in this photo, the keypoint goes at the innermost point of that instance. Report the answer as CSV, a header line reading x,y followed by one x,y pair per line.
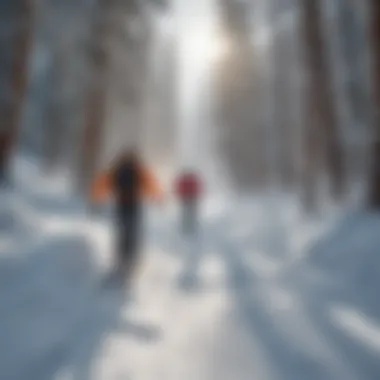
x,y
54,113
95,105
320,98
282,96
10,110
350,49
374,198
313,152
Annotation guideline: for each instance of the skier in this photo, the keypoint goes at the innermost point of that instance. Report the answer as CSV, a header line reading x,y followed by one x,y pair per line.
x,y
188,189
129,181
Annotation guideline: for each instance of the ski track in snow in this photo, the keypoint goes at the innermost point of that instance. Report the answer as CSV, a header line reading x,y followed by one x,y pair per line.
x,y
257,297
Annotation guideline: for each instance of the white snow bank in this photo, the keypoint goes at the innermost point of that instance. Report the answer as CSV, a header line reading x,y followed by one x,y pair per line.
x,y
350,249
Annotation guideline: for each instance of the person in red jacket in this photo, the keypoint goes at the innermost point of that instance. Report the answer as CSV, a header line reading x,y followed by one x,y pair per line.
x,y
188,189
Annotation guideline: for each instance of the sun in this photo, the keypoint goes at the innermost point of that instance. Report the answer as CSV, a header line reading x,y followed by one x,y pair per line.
x,y
202,43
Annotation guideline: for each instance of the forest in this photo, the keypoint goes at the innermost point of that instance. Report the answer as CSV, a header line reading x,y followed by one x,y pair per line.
x,y
290,102
256,123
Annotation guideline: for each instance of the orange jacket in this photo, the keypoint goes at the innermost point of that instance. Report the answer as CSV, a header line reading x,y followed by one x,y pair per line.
x,y
102,187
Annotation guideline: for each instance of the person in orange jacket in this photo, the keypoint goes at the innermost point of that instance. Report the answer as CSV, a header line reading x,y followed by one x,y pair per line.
x,y
129,181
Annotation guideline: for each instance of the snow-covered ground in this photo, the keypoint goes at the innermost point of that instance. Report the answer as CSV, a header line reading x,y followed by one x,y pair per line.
x,y
262,294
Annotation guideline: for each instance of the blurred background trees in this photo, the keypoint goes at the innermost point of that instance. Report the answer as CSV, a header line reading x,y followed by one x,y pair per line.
x,y
15,45
294,90
322,137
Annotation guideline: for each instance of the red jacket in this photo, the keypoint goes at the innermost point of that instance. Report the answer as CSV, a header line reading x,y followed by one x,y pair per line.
x,y
188,186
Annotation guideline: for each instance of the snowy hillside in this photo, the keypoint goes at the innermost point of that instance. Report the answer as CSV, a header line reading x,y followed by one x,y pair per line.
x,y
262,294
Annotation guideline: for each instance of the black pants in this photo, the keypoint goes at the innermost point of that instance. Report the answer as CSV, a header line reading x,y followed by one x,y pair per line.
x,y
128,232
